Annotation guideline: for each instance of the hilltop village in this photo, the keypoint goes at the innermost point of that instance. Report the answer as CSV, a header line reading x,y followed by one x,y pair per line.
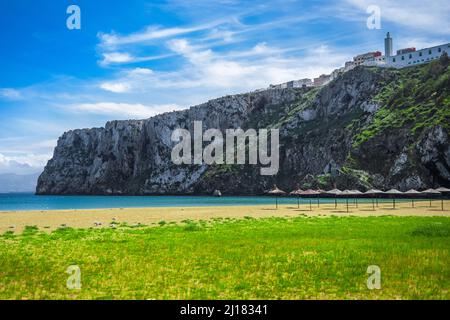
x,y
405,57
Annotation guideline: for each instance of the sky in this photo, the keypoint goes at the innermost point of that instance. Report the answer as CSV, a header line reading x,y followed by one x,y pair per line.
x,y
135,59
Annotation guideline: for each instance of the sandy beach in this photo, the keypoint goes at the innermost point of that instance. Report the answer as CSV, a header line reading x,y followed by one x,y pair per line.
x,y
99,218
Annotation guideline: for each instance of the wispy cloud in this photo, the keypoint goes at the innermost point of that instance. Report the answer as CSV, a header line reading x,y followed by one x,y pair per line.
x,y
427,16
10,94
123,110
127,58
150,33
207,71
23,164
117,87
117,57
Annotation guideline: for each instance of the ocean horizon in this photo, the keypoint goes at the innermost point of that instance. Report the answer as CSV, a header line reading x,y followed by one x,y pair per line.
x,y
30,201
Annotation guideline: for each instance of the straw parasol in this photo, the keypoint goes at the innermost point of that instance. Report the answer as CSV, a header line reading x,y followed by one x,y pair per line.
x,y
374,193
309,192
319,192
393,193
356,193
443,190
297,193
276,192
412,193
347,193
335,193
430,192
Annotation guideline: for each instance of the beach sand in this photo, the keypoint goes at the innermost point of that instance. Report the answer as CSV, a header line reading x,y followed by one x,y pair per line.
x,y
52,219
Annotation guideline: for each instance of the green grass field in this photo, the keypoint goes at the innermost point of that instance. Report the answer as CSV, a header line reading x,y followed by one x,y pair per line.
x,y
297,258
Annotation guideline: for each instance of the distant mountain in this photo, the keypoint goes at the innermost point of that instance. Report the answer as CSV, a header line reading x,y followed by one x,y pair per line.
x,y
369,128
10,182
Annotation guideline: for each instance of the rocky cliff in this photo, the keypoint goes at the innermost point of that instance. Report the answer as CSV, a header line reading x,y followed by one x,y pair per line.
x,y
370,127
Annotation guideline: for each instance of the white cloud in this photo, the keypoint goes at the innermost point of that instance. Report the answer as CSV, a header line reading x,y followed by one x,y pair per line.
x,y
126,58
10,94
113,40
23,164
117,87
206,71
128,80
124,110
429,16
117,57
150,33
140,71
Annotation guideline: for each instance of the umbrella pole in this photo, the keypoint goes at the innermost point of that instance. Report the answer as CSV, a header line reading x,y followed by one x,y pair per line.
x,y
373,205
335,202
310,205
430,202
393,202
298,202
347,204
318,202
442,204
412,202
276,202
376,200
357,202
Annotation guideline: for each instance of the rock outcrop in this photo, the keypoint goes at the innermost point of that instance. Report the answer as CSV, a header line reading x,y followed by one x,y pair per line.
x,y
353,132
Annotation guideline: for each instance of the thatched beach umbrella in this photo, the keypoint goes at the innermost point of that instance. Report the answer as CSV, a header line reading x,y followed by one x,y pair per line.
x,y
430,193
393,193
335,193
412,193
346,194
309,193
297,193
443,190
319,192
276,192
356,193
374,193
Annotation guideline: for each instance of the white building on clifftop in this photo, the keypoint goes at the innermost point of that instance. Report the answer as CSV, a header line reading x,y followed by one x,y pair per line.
x,y
412,58
406,57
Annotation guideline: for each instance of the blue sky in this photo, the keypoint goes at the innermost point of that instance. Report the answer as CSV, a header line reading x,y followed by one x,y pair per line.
x,y
134,59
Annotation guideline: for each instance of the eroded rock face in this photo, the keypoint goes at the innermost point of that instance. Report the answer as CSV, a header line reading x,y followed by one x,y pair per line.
x,y
317,131
434,152
133,157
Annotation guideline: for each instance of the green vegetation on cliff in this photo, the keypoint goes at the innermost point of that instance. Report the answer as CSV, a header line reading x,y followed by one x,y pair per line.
x,y
419,98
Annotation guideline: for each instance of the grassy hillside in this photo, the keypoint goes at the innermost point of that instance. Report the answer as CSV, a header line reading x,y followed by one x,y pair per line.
x,y
418,99
300,258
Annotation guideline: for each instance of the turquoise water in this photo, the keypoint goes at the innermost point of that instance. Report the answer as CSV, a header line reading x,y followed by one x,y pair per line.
x,y
28,201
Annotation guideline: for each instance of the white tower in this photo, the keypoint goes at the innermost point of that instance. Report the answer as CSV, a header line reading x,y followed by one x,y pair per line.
x,y
388,45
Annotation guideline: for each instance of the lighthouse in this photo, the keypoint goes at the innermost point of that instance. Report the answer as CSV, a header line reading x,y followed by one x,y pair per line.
x,y
388,45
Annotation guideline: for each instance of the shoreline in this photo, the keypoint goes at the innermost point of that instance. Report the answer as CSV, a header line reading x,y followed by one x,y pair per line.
x,y
13,202
49,220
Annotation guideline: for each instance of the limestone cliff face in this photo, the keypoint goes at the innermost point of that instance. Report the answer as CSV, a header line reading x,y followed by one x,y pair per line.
x,y
133,157
342,134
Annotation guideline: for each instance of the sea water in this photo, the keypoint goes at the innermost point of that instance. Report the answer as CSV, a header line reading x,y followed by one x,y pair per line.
x,y
29,201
